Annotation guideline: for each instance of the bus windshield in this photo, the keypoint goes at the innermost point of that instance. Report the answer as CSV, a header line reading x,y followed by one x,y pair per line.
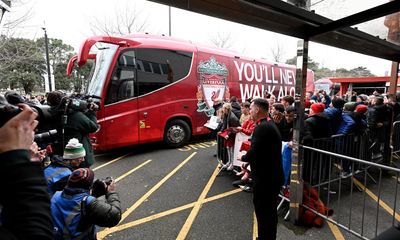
x,y
104,57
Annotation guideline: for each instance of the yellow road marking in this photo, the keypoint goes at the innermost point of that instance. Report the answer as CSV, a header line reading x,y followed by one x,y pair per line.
x,y
222,195
112,161
171,211
335,230
204,144
375,198
184,149
107,231
131,171
189,221
149,218
255,226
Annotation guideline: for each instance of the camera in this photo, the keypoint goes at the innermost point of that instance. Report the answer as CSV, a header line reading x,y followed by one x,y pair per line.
x,y
100,186
46,128
7,111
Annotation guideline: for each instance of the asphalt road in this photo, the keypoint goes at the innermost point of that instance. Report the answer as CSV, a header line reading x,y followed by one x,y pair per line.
x,y
177,194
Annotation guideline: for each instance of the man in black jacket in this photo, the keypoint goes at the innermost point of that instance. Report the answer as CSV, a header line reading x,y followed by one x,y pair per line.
x,y
26,204
265,159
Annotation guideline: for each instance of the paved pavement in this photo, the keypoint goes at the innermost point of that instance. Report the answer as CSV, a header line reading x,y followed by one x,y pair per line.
x,y
177,194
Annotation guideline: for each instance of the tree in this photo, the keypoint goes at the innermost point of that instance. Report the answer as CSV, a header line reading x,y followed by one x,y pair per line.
x,y
222,40
311,63
361,72
21,64
59,54
78,79
126,20
277,52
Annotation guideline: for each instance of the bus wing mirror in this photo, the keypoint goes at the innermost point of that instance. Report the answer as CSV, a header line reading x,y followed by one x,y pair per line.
x,y
70,65
71,62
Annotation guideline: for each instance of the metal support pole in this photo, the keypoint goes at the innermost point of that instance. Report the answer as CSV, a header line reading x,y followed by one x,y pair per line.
x,y
389,137
393,78
169,20
46,41
296,182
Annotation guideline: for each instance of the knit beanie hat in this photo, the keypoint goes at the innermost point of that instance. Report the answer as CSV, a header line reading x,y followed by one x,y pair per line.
x,y
350,106
361,108
81,178
318,107
74,149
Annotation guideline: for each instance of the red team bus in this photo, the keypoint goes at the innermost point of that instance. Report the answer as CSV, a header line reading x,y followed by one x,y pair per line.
x,y
155,88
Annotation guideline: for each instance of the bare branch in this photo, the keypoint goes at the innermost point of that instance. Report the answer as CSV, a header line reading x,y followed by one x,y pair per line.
x,y
130,21
222,40
277,52
17,18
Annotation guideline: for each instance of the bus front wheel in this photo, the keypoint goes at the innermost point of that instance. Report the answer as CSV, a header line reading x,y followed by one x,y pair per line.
x,y
177,133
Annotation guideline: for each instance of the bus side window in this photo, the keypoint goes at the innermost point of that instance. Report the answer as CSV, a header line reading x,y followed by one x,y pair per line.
x,y
122,84
157,68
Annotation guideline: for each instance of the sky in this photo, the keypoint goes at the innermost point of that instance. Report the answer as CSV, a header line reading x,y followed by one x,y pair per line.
x,y
70,21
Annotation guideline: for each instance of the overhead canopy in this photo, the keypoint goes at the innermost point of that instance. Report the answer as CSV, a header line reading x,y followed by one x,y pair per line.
x,y
4,6
284,18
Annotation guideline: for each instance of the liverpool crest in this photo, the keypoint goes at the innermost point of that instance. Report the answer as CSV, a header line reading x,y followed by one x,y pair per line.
x,y
213,85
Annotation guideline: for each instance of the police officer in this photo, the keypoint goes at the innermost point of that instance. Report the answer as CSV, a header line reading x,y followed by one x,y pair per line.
x,y
75,211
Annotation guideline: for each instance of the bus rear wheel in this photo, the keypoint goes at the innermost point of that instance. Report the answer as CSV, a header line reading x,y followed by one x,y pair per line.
x,y
177,133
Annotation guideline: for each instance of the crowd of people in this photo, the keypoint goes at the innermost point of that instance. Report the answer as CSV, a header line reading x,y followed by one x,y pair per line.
x,y
55,199
60,196
325,117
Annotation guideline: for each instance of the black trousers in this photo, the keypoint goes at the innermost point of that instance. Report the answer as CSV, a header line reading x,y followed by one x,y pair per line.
x,y
265,204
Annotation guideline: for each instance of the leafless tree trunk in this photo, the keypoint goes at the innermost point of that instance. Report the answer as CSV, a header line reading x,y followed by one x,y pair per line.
x,y
222,40
126,20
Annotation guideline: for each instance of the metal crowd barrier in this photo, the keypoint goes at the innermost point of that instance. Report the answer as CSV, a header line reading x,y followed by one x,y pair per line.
x,y
336,166
396,139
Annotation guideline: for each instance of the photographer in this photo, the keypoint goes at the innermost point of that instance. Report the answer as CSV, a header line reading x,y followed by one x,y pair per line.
x,y
58,171
25,201
80,123
75,211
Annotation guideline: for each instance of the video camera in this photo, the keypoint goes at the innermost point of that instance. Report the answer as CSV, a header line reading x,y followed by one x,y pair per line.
x,y
77,103
100,186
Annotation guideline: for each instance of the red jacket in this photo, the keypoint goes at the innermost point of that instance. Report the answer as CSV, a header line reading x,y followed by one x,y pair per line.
x,y
248,127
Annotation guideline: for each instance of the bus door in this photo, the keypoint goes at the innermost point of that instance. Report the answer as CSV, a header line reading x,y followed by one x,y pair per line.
x,y
121,103
150,101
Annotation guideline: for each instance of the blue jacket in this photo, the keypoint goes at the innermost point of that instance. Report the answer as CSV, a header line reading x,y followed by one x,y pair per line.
x,y
335,117
56,176
66,210
348,124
